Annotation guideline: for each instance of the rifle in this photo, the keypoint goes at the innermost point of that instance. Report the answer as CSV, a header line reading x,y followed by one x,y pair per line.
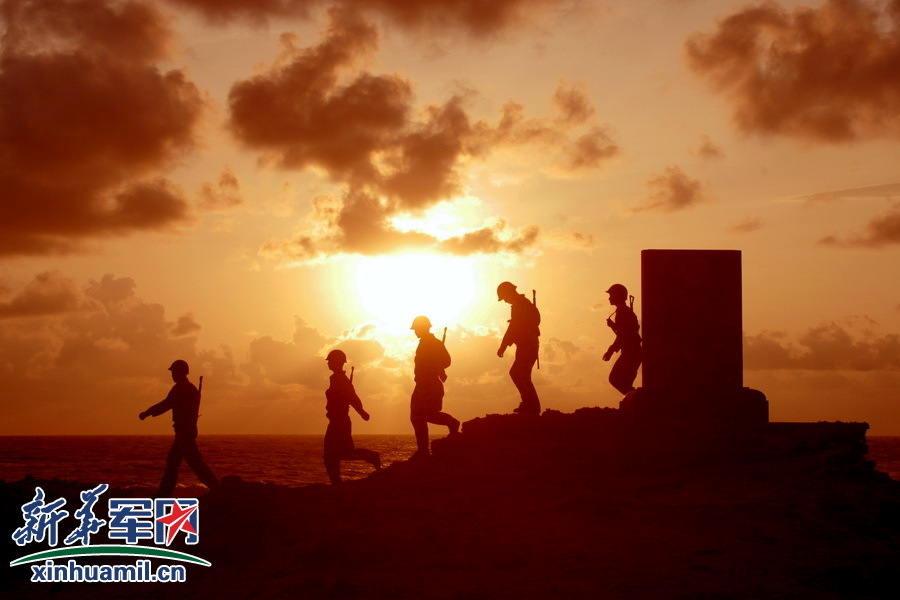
x,y
534,301
351,373
199,392
631,302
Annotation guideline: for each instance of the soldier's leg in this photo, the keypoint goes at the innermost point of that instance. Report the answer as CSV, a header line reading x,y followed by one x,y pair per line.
x,y
442,418
520,373
532,402
195,461
516,375
170,474
370,456
435,406
632,362
622,374
418,409
420,427
333,468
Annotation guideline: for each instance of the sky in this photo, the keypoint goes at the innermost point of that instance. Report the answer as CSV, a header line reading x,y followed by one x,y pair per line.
x,y
249,184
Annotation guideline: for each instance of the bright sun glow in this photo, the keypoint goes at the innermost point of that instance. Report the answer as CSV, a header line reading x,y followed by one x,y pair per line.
x,y
395,288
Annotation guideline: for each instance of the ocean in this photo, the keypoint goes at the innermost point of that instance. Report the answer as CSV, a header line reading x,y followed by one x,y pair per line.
x,y
292,460
137,461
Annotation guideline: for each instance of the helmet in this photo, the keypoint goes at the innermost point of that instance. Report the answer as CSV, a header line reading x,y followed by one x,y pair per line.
x,y
504,289
422,322
617,289
337,355
179,366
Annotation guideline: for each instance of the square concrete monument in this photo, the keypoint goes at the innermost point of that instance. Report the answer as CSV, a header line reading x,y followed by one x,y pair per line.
x,y
691,322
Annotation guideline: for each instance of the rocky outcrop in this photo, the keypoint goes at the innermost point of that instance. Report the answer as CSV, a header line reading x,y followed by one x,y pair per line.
x,y
581,505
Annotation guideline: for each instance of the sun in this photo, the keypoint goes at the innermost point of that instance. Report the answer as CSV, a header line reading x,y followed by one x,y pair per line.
x,y
394,288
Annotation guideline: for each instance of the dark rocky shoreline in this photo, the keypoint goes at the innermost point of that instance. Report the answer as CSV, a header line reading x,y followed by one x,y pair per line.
x,y
583,505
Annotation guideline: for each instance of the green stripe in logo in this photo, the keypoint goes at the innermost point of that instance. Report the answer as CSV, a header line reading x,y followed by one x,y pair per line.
x,y
111,550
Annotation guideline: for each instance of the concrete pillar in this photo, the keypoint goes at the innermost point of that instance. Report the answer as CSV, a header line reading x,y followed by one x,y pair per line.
x,y
691,320
693,342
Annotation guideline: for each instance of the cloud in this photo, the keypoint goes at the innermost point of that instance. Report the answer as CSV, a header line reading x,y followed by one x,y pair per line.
x,y
94,355
830,347
49,293
313,110
590,150
91,355
185,325
887,191
476,18
709,150
488,240
671,191
748,225
87,118
881,231
224,194
830,73
294,362
574,105
360,224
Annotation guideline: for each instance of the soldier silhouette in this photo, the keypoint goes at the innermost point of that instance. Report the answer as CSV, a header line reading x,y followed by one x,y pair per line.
x,y
523,331
431,362
628,340
340,396
184,402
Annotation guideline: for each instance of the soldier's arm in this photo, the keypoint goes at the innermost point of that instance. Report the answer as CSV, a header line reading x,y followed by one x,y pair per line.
x,y
353,399
445,356
158,408
356,403
615,346
617,343
506,342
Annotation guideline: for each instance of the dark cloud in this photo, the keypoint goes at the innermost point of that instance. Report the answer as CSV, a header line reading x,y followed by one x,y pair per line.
x,y
185,325
883,230
303,116
748,225
312,110
222,195
574,105
94,355
830,347
477,17
671,191
49,293
709,150
360,224
86,116
590,150
94,364
364,131
488,240
830,73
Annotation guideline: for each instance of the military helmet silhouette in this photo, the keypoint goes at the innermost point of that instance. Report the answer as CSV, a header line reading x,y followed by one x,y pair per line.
x,y
422,322
179,366
504,289
617,289
337,355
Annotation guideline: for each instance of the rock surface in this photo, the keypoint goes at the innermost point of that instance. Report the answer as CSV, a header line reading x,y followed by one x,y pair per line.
x,y
582,505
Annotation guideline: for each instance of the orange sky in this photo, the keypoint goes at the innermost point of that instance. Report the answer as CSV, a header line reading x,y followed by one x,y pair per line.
x,y
248,184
